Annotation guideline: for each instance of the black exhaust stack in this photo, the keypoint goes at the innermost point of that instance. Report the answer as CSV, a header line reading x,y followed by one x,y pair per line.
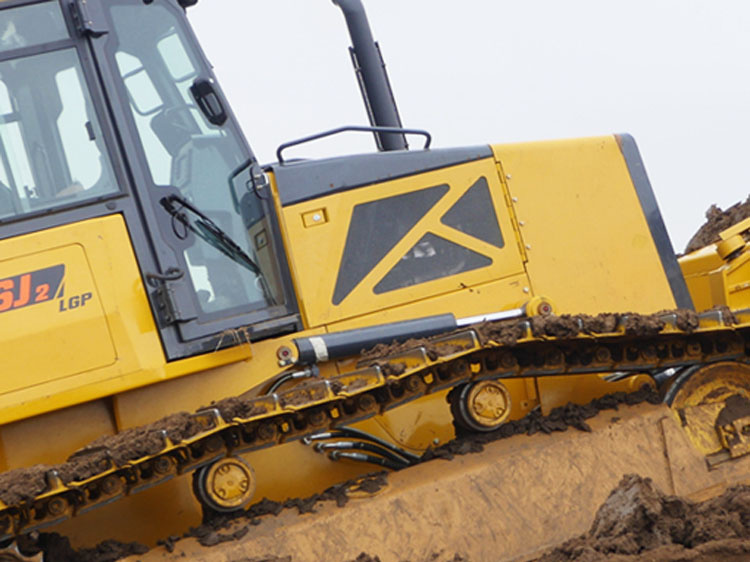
x,y
372,76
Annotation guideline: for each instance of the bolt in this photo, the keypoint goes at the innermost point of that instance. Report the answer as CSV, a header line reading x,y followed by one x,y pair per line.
x,y
508,176
528,246
436,441
316,217
521,223
515,199
525,289
56,506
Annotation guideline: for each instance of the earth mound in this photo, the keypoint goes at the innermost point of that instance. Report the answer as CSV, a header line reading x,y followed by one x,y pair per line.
x,y
716,221
639,522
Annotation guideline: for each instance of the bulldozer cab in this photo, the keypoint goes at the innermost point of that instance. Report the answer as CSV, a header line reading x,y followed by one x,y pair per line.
x,y
111,107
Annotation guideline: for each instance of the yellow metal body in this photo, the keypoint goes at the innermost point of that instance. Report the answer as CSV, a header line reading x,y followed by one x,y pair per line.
x,y
574,233
717,274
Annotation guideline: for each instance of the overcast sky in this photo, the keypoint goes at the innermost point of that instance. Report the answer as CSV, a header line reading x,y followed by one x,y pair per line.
x,y
673,73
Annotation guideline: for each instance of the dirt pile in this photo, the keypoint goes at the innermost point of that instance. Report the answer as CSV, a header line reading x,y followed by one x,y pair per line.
x,y
638,522
716,221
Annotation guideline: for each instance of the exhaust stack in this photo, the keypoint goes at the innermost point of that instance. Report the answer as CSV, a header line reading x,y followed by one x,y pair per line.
x,y
372,76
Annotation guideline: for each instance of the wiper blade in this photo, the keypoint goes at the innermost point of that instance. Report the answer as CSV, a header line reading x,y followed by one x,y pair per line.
x,y
208,230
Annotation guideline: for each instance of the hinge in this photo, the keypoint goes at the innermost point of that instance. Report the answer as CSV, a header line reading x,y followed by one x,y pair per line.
x,y
510,203
171,310
89,18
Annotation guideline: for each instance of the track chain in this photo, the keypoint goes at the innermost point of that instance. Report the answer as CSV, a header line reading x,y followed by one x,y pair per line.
x,y
384,383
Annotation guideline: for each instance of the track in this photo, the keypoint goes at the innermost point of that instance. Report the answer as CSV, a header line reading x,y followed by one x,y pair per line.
x,y
112,467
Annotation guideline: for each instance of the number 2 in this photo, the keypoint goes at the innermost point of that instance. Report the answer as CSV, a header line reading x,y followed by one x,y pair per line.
x,y
42,292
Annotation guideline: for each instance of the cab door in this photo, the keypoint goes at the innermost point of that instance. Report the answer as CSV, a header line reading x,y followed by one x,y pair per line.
x,y
184,146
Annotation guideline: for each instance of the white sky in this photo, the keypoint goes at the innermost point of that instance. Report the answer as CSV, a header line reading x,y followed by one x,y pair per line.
x,y
673,73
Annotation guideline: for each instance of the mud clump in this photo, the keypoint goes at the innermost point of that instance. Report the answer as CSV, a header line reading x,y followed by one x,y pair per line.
x,y
735,408
231,408
394,348
364,557
138,442
57,548
635,324
638,522
434,557
688,320
717,221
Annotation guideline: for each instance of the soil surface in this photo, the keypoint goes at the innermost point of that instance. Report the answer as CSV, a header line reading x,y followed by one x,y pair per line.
x,y
639,522
716,221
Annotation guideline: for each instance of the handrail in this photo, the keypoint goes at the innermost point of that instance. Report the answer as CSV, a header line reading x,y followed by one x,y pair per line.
x,y
359,128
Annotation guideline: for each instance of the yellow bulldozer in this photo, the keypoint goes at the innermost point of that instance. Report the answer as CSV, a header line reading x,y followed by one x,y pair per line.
x,y
185,331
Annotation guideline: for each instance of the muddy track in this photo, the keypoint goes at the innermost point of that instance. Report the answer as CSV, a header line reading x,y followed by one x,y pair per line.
x,y
215,527
25,483
21,484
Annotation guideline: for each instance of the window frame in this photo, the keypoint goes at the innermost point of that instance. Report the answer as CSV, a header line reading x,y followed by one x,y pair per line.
x,y
91,87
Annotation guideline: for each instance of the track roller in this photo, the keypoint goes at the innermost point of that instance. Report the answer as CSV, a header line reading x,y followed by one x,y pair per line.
x,y
481,406
226,485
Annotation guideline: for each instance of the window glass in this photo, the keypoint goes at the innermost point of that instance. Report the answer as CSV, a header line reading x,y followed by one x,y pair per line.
x,y
175,57
26,26
83,156
187,154
474,214
431,258
375,228
51,145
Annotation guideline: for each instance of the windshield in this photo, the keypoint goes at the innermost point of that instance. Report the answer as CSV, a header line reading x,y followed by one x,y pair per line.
x,y
52,150
190,161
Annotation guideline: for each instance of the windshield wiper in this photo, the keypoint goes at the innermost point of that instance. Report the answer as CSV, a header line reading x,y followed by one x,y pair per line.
x,y
208,230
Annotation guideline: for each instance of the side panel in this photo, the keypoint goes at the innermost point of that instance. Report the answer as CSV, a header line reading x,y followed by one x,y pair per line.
x,y
53,289
86,330
588,241
408,240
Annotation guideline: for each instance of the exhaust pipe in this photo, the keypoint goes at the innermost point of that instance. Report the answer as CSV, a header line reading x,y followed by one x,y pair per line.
x,y
372,76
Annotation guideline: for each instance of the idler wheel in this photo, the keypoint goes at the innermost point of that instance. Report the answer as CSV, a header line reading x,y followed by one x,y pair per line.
x,y
481,406
712,404
226,485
